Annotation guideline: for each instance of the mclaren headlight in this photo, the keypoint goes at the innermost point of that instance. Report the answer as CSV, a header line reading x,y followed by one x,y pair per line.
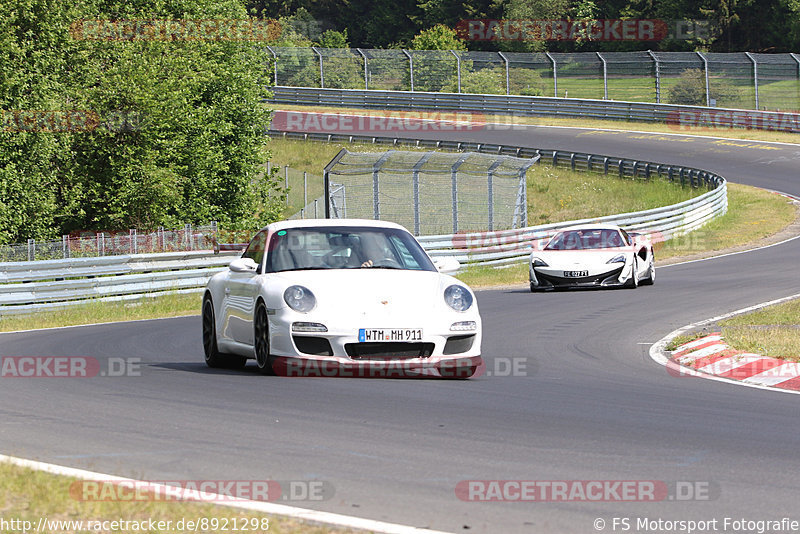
x,y
458,297
299,298
619,258
538,262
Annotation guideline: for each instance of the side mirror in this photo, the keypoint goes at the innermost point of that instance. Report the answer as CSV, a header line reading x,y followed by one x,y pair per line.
x,y
243,265
446,264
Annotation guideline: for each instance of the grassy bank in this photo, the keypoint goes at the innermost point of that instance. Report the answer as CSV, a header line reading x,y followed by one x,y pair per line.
x,y
29,495
773,331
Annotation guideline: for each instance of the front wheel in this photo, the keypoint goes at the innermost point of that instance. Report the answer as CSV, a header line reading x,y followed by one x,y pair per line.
x,y
261,334
214,358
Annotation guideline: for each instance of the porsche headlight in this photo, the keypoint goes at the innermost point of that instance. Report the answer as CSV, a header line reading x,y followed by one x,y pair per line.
x,y
538,262
458,297
619,258
299,298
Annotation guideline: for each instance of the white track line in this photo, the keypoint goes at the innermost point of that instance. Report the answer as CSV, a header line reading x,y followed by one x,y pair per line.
x,y
256,506
658,354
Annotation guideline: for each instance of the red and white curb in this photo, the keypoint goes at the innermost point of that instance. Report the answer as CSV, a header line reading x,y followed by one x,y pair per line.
x,y
711,355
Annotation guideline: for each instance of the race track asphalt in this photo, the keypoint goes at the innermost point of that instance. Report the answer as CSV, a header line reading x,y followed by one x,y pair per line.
x,y
587,402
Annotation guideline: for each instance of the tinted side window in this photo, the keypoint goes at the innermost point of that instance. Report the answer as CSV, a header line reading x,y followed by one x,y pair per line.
x,y
256,249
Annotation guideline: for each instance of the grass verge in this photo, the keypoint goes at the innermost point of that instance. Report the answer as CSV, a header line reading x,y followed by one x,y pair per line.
x,y
773,331
29,495
166,305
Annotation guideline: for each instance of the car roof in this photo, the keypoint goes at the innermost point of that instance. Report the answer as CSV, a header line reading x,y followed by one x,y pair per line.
x,y
598,226
306,223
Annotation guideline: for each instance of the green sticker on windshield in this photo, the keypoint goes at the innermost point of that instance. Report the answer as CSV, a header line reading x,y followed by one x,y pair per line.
x,y
282,232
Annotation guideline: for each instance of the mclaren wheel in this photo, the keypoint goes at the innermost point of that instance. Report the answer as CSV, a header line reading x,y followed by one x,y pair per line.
x,y
214,358
633,281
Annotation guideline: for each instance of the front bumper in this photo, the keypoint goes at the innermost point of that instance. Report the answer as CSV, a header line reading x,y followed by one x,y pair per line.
x,y
544,280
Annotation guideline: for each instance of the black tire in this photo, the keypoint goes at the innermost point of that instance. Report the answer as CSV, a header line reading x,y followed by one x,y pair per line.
x,y
261,340
651,274
214,358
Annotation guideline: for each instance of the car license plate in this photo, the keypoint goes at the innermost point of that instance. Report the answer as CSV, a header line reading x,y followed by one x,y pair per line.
x,y
389,334
576,274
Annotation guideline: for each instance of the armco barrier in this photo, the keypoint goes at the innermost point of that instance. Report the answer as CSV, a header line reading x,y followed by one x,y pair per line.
x,y
29,286
677,115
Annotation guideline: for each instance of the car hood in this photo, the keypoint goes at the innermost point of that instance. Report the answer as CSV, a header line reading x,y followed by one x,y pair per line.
x,y
568,258
372,291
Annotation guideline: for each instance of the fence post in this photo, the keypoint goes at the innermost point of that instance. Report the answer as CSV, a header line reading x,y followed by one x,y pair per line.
x,y
286,182
65,246
605,75
458,69
755,74
275,70
410,67
321,70
794,56
31,249
508,84
708,89
555,73
366,71
490,186
658,76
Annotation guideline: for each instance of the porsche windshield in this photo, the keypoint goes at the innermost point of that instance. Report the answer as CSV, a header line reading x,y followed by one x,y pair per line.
x,y
332,247
585,240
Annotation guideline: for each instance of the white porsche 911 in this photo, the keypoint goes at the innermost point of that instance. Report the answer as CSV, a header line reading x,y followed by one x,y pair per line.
x,y
593,256
341,297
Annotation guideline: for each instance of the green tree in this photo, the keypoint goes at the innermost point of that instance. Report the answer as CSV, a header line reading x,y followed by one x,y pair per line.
x,y
177,127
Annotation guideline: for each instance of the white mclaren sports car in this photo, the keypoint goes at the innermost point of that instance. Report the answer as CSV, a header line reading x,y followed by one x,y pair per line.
x,y
593,256
341,297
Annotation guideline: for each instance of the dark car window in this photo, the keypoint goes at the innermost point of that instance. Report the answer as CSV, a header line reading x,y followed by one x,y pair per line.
x,y
585,240
256,248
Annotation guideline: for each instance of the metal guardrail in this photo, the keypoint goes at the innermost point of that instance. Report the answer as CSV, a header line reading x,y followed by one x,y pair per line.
x,y
513,246
29,286
680,116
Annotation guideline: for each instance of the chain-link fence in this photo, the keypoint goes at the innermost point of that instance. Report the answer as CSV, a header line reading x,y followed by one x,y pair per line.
x,y
737,80
430,192
113,243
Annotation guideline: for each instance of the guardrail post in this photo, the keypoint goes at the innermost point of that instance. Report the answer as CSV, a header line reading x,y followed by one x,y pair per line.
x,y
589,163
410,68
572,161
458,69
683,176
605,165
605,75
555,74
708,89
621,168
755,74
